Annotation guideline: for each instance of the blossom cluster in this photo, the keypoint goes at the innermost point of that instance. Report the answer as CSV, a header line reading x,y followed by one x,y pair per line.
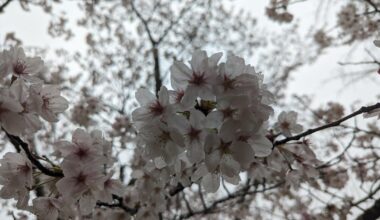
x,y
83,175
214,119
211,126
354,24
27,98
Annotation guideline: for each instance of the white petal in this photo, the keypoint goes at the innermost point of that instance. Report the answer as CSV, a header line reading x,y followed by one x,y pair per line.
x,y
261,146
211,182
145,97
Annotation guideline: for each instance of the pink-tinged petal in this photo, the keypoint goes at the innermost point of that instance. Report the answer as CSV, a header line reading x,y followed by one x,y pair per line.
x,y
213,160
46,208
190,96
65,147
163,96
50,91
214,119
228,166
32,122
199,172
145,97
81,137
214,59
197,119
243,153
19,90
211,182
87,203
261,146
34,65
235,65
10,104
195,153
13,123
199,61
180,75
178,122
235,180
70,188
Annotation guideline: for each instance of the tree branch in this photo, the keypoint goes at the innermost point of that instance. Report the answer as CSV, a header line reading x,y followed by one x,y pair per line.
x,y
18,143
2,7
119,204
364,109
237,194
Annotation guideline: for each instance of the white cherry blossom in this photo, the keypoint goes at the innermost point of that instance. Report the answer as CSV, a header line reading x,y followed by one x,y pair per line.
x,y
16,178
20,65
48,101
46,208
287,123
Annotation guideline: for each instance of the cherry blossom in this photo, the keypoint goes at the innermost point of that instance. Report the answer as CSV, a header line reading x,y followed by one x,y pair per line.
x,y
48,101
46,208
78,179
82,148
151,107
20,65
287,123
197,81
16,178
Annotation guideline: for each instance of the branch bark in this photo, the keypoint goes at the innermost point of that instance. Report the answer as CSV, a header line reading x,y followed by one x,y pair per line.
x,y
364,109
18,143
372,213
2,7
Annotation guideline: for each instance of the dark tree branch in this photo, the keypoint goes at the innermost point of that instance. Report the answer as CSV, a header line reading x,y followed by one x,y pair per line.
x,y
119,204
211,208
2,7
372,213
157,71
374,6
175,22
364,109
144,22
18,143
155,52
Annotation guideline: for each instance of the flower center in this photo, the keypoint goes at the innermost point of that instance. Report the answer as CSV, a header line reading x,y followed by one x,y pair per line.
x,y
193,134
197,79
285,125
156,108
228,83
81,178
19,67
81,153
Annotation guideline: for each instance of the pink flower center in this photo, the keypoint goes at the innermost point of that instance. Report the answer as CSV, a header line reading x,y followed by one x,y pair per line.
x,y
24,169
156,108
198,79
225,147
19,67
2,109
228,83
285,125
228,112
46,102
81,178
179,96
82,152
194,134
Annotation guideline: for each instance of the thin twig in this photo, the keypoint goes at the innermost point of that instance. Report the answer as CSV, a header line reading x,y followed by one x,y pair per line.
x,y
364,109
2,7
